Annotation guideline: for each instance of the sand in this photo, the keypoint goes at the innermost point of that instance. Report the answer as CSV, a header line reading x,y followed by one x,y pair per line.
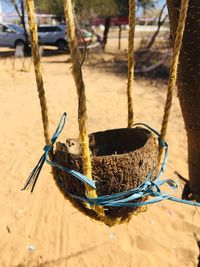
x,y
43,229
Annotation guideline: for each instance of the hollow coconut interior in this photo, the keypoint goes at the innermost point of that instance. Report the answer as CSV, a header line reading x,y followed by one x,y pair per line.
x,y
112,142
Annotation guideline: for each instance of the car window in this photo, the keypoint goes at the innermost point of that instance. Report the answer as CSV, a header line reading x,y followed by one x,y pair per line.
x,y
57,29
16,28
49,29
54,29
42,29
2,28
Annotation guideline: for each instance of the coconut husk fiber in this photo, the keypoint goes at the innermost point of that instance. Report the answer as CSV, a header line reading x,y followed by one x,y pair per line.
x,y
121,160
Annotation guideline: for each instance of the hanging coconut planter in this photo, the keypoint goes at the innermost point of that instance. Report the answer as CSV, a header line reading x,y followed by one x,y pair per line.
x,y
124,161
121,160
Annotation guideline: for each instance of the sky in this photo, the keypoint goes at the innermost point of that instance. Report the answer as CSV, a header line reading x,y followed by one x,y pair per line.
x,y
161,3
7,8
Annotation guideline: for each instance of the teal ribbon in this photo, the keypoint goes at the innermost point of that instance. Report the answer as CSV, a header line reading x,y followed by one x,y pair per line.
x,y
122,199
32,179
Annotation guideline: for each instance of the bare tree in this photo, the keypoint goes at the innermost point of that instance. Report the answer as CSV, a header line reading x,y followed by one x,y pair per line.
x,y
19,6
161,21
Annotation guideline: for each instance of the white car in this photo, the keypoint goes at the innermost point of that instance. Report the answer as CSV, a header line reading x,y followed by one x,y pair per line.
x,y
11,35
55,35
52,35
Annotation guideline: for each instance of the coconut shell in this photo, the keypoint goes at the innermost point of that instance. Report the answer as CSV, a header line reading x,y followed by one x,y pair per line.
x,y
121,160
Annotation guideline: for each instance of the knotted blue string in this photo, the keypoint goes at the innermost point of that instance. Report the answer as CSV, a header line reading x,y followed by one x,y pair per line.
x,y
32,179
122,199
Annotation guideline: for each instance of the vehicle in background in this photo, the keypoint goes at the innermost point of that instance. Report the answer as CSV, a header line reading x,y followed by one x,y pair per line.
x,y
52,35
15,27
83,35
11,35
55,35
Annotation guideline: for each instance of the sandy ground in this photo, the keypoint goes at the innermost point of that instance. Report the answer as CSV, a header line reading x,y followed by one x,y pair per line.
x,y
43,229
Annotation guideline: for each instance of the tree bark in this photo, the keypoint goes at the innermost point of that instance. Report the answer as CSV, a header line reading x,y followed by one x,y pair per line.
x,y
106,30
188,83
119,37
23,20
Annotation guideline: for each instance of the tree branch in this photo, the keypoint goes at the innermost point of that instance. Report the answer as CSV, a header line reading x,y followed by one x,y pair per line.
x,y
160,23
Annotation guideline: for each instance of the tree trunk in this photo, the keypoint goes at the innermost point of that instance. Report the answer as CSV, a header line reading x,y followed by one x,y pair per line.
x,y
23,21
20,9
119,37
106,30
188,84
160,23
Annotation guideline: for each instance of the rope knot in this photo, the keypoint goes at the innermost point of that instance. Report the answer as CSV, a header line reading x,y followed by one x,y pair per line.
x,y
47,148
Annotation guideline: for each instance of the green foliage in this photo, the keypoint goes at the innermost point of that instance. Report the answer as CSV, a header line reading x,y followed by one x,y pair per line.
x,y
123,6
50,6
88,8
96,7
85,8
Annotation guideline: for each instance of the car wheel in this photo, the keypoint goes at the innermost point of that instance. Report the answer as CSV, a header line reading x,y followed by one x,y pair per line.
x,y
61,44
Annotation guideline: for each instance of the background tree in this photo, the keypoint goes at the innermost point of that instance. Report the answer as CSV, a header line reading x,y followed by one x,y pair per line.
x,y
55,7
94,8
161,21
145,5
87,9
99,8
188,84
19,6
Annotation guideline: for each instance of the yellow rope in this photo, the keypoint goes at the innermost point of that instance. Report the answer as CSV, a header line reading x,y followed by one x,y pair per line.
x,y
174,67
80,86
131,62
38,69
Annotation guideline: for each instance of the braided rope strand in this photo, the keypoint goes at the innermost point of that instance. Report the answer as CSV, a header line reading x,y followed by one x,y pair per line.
x,y
174,67
80,86
38,69
82,109
131,34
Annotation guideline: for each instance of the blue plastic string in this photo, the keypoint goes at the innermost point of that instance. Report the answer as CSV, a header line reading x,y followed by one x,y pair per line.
x,y
32,179
129,198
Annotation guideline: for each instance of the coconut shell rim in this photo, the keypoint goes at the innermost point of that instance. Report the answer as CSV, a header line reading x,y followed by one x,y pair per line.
x,y
151,135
